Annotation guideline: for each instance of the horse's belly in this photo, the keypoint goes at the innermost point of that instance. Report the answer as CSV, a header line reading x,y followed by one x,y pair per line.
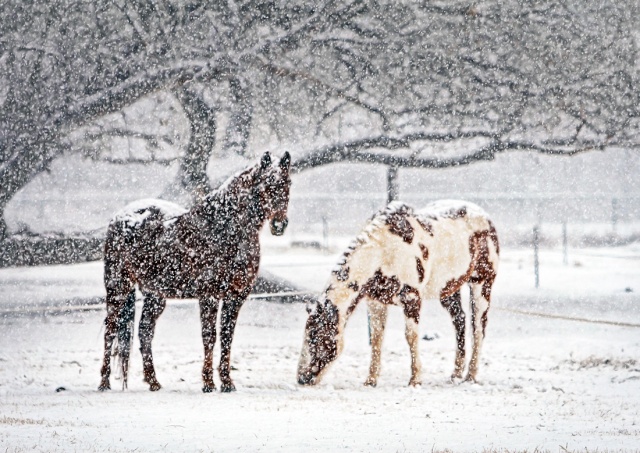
x,y
170,286
174,274
449,263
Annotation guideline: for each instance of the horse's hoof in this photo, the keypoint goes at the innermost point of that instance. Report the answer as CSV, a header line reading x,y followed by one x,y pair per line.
x,y
370,383
105,385
227,388
470,379
155,386
415,383
208,388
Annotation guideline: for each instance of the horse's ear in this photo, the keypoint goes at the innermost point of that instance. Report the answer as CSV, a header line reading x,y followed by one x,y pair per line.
x,y
266,160
285,162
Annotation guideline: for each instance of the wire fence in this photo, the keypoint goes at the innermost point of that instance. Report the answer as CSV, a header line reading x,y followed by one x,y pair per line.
x,y
581,219
99,306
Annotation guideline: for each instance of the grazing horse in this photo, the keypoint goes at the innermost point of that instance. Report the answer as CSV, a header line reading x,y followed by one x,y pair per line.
x,y
401,258
210,252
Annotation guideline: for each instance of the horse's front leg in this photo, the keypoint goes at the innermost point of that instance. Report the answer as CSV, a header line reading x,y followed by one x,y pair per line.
x,y
151,311
377,323
411,301
412,335
230,310
208,317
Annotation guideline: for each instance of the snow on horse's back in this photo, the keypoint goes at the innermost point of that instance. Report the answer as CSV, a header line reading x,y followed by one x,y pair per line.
x,y
402,257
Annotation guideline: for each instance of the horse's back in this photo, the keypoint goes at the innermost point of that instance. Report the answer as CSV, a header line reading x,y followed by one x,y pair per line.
x,y
455,229
455,222
471,213
133,235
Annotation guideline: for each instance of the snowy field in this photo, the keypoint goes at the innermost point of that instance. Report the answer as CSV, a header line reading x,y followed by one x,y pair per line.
x,y
546,383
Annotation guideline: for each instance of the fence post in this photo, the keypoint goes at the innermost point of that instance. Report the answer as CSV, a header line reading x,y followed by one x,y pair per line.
x,y
392,183
565,244
536,260
325,232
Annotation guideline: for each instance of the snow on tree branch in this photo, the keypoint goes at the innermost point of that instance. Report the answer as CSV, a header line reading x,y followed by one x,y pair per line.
x,y
359,151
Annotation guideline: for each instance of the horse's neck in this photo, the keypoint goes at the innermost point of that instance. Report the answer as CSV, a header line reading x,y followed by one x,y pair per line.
x,y
226,211
343,297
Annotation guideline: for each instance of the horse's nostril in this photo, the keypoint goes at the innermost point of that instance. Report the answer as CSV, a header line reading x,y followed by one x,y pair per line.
x,y
304,379
278,227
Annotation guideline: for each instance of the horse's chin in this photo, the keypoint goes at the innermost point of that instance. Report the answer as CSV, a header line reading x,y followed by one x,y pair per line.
x,y
307,379
278,227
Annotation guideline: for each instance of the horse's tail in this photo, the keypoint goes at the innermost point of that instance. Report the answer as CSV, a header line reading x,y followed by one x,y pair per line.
x,y
125,333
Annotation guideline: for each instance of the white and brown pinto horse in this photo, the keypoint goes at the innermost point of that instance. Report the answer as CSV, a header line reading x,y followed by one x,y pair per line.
x,y
403,257
210,252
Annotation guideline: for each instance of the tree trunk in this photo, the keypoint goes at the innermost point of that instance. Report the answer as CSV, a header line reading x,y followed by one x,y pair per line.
x,y
239,128
192,173
22,167
3,226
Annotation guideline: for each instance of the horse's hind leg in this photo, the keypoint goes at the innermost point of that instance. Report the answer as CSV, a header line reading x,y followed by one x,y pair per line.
x,y
116,298
454,306
208,315
125,334
480,300
377,322
151,311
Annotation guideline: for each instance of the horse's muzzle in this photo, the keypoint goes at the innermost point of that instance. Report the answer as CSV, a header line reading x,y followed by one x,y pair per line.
x,y
279,226
306,379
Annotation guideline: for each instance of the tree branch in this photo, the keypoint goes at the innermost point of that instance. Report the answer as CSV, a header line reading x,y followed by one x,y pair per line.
x,y
129,91
356,151
153,139
318,84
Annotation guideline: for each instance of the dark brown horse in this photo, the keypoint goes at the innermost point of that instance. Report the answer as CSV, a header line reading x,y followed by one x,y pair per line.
x,y
210,252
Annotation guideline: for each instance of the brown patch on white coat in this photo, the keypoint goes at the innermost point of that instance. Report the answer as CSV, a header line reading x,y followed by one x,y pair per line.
x,y
396,260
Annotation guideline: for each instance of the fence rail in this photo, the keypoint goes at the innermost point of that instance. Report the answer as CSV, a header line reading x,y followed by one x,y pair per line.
x,y
344,213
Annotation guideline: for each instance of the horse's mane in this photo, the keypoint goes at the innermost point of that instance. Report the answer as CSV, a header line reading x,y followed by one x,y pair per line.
x,y
376,223
233,185
227,196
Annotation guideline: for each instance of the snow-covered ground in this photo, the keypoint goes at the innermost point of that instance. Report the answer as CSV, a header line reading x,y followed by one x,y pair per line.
x,y
545,383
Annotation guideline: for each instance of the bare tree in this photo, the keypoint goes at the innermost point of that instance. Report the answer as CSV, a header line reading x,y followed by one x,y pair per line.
x,y
65,64
405,84
553,77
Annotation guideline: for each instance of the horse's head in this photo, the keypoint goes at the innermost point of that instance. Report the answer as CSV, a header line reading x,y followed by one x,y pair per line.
x,y
321,344
273,187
